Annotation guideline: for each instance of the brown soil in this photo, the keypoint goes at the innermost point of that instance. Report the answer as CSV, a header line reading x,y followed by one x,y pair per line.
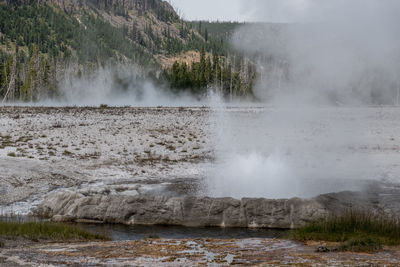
x,y
190,252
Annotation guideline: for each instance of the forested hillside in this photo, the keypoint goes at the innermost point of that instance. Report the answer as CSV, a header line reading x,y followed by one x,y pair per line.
x,y
217,32
225,69
43,40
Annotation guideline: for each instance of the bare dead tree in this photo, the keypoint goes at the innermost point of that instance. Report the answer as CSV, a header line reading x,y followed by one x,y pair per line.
x,y
10,93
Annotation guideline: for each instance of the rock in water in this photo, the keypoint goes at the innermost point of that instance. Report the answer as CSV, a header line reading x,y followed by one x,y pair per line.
x,y
322,249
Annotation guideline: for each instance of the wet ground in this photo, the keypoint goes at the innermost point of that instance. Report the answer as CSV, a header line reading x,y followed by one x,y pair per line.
x,y
187,252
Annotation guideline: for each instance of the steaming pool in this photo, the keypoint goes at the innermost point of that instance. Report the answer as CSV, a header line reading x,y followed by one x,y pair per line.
x,y
56,153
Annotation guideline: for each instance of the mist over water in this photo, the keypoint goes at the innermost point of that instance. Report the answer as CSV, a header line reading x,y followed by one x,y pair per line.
x,y
319,76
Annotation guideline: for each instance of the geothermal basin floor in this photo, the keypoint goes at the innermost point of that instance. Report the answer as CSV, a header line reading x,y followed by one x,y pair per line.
x,y
186,252
172,151
117,150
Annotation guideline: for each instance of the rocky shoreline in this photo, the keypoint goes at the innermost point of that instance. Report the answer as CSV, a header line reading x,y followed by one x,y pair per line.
x,y
196,211
183,211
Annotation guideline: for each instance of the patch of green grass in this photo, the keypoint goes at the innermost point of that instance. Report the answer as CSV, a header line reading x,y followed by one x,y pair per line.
x,y
151,236
67,153
362,244
354,230
46,231
171,148
11,154
7,143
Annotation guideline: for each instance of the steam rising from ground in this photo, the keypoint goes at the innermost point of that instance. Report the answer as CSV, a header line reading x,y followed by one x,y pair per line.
x,y
117,85
283,152
120,86
332,54
335,51
309,138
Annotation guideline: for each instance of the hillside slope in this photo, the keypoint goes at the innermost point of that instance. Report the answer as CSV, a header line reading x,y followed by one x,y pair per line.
x,y
43,41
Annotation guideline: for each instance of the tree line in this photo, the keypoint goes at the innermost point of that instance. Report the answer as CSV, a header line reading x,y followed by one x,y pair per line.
x,y
38,42
232,77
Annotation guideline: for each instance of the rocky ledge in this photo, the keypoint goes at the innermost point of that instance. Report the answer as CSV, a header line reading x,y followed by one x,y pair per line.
x,y
205,211
182,211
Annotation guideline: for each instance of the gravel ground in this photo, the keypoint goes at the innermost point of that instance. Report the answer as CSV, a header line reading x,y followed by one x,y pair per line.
x,y
188,252
124,150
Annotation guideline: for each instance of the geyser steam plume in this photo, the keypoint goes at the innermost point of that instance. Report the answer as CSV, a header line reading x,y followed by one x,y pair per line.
x,y
328,58
342,51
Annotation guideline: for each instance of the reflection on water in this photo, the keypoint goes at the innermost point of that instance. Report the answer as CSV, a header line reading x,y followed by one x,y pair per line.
x,y
136,232
120,232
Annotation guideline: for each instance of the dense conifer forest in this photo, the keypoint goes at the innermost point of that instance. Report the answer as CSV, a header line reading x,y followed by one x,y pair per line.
x,y
41,41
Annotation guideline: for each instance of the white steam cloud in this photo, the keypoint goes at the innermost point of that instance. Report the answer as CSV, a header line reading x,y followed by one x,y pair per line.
x,y
284,152
342,51
320,72
117,85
